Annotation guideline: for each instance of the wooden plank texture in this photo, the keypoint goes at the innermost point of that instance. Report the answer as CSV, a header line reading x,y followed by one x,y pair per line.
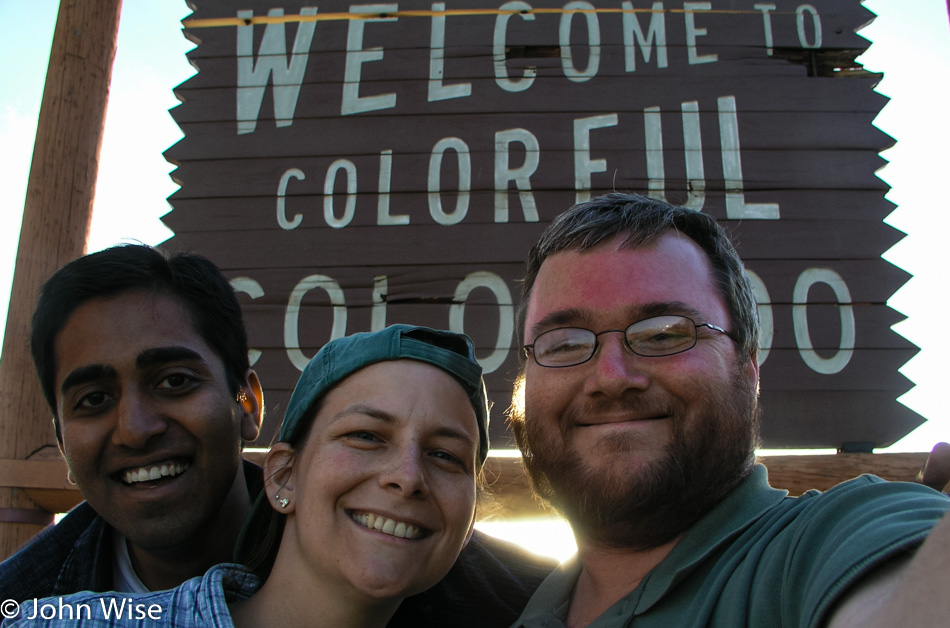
x,y
510,490
56,217
349,172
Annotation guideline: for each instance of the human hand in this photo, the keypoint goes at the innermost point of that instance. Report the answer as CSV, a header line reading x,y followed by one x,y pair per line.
x,y
936,471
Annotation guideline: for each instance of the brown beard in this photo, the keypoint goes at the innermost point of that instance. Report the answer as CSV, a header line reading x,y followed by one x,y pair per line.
x,y
706,458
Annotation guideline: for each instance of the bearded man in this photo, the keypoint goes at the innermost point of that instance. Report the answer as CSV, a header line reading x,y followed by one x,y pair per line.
x,y
637,415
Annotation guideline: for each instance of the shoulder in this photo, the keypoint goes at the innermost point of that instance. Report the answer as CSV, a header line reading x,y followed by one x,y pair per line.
x,y
88,609
200,601
859,522
866,503
835,539
36,568
203,601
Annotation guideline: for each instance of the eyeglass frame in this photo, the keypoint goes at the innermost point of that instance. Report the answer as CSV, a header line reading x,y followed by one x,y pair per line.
x,y
530,347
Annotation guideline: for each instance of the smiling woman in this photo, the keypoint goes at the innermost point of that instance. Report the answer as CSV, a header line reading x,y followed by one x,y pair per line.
x,y
371,487
369,494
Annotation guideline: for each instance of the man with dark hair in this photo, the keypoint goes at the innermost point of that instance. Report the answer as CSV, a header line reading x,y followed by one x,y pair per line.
x,y
143,360
637,415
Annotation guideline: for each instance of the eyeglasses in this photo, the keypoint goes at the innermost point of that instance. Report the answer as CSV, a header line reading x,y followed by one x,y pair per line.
x,y
652,337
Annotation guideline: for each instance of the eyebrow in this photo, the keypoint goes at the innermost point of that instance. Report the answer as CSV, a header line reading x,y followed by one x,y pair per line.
x,y
147,358
86,374
386,417
565,317
664,308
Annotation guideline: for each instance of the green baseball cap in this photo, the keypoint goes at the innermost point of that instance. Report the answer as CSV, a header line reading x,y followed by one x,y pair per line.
x,y
337,360
340,358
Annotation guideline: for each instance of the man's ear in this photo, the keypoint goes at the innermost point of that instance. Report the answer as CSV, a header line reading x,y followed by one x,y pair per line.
x,y
751,370
251,398
59,435
62,451
279,477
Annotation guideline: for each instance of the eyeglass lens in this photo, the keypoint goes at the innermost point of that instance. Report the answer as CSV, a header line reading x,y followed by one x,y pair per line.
x,y
653,337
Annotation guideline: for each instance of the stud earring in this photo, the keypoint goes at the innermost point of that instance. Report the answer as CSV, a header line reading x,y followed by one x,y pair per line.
x,y
283,501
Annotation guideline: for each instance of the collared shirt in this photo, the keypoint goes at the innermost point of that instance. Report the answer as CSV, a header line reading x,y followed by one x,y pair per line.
x,y
198,603
488,585
761,558
74,555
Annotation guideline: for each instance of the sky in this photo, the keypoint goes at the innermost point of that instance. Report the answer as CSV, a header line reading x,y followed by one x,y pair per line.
x,y
910,45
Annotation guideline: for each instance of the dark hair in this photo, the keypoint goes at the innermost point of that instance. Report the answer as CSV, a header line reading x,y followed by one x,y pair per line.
x,y
641,220
263,529
191,279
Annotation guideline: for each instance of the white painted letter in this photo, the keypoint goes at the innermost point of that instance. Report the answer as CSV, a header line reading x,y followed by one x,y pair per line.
x,y
356,57
292,173
350,208
435,181
380,291
693,148
292,317
766,320
593,41
437,89
656,171
506,321
383,217
692,32
736,207
271,59
584,166
632,34
498,48
834,364
766,24
816,23
521,176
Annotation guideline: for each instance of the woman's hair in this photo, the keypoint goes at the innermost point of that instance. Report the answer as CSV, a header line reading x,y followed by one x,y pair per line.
x,y
266,524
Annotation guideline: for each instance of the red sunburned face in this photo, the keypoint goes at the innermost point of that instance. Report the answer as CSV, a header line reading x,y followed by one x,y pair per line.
x,y
608,426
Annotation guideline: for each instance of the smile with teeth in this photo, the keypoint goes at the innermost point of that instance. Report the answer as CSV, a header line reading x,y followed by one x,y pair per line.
x,y
166,469
386,525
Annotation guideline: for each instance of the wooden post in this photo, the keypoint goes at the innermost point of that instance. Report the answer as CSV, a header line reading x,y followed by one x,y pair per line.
x,y
56,219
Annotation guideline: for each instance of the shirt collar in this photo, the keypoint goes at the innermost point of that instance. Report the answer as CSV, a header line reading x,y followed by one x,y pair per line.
x,y
548,606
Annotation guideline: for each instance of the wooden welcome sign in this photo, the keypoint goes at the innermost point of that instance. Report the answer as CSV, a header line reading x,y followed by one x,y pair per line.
x,y
355,165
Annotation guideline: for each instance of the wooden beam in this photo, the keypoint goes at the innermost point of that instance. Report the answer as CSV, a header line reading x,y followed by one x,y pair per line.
x,y
45,480
56,220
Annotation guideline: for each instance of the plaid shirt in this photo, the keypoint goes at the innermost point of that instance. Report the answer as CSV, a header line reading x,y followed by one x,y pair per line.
x,y
197,603
73,555
488,586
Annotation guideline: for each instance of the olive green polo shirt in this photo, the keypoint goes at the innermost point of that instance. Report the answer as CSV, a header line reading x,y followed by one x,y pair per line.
x,y
762,559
